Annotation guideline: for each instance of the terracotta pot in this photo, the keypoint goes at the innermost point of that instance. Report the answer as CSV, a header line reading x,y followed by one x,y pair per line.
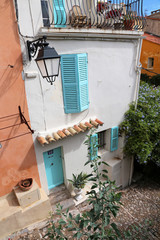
x,y
26,184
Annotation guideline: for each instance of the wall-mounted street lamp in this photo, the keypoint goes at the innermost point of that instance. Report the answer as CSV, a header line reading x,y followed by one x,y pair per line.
x,y
48,60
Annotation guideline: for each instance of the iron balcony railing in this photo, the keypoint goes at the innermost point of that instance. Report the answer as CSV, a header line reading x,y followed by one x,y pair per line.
x,y
115,14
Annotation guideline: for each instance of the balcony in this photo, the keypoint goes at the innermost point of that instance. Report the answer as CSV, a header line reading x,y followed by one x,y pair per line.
x,y
115,14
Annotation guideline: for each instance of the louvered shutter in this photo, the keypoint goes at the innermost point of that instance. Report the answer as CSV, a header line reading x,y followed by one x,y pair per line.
x,y
59,13
74,71
83,80
94,146
70,83
114,139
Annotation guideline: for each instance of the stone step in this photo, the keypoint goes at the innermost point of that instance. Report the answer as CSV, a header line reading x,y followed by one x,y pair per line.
x,y
68,203
59,194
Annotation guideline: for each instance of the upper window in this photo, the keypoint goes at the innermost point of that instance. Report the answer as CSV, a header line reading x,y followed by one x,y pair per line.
x,y
150,62
74,71
45,13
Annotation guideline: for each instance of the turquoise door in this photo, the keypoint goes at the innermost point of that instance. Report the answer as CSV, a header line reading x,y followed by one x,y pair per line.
x,y
53,166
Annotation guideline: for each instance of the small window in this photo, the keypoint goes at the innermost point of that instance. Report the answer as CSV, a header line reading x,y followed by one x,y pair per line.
x,y
150,62
45,13
101,140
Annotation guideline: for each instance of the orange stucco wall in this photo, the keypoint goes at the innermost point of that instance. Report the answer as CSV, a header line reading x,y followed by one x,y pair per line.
x,y
150,50
17,156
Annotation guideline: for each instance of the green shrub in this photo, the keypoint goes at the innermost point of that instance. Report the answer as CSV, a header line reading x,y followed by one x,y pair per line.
x,y
151,80
142,126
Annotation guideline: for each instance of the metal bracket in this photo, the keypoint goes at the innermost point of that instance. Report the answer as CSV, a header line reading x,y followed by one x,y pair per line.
x,y
23,120
34,45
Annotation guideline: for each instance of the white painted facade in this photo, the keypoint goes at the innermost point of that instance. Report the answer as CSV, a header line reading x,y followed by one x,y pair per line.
x,y
113,78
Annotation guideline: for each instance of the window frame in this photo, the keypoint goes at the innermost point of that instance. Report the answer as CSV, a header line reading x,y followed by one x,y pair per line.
x,y
150,62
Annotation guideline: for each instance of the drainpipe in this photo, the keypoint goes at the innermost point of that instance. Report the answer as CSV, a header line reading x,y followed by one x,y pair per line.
x,y
138,70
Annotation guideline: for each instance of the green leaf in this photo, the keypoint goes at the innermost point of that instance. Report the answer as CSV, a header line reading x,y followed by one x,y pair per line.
x,y
61,221
114,226
104,170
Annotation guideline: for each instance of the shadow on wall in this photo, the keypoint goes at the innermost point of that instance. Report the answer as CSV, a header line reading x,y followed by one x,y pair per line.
x,y
26,170
10,76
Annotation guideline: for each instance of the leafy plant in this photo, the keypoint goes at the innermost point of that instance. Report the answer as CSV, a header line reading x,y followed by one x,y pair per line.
x,y
95,223
98,222
142,126
80,180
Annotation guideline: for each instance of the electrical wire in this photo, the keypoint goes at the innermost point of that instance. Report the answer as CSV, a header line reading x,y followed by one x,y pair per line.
x,y
150,71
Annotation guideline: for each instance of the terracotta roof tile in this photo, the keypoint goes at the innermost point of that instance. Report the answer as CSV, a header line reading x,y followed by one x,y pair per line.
x,y
88,125
71,131
78,129
152,38
61,134
56,136
42,140
66,132
98,121
50,139
94,123
82,126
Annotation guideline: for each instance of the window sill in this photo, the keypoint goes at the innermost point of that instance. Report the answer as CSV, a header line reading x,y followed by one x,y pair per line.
x,y
101,152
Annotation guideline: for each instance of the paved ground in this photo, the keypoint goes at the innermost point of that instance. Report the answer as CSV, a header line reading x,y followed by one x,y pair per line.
x,y
141,201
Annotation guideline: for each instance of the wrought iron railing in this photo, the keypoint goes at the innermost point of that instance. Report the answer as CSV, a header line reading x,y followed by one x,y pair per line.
x,y
116,14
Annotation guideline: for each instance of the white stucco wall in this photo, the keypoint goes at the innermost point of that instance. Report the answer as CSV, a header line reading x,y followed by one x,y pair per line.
x,y
112,78
112,84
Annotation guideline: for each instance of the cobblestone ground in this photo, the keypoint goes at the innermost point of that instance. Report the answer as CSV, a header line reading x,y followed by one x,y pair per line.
x,y
141,201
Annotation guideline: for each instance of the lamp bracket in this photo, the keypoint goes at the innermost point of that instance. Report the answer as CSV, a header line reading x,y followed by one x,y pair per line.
x,y
34,45
23,120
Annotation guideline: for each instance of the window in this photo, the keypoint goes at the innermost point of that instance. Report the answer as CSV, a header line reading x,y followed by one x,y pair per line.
x,y
45,13
74,71
150,62
101,140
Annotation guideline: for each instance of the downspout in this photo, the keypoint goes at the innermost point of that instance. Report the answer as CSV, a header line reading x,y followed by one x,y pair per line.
x,y
135,99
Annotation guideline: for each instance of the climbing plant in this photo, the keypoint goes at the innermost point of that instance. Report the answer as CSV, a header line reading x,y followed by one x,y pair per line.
x,y
141,126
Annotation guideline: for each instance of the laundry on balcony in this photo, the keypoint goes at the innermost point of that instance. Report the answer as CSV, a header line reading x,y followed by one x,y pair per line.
x,y
53,136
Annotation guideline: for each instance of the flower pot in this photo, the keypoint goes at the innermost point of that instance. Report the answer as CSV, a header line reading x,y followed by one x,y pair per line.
x,y
26,184
78,192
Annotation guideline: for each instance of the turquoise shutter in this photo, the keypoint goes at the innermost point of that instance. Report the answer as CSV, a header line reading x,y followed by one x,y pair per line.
x,y
70,83
114,139
59,13
83,80
94,146
74,71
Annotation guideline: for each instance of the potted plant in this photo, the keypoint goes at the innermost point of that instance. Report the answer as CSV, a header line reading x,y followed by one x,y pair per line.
x,y
79,181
